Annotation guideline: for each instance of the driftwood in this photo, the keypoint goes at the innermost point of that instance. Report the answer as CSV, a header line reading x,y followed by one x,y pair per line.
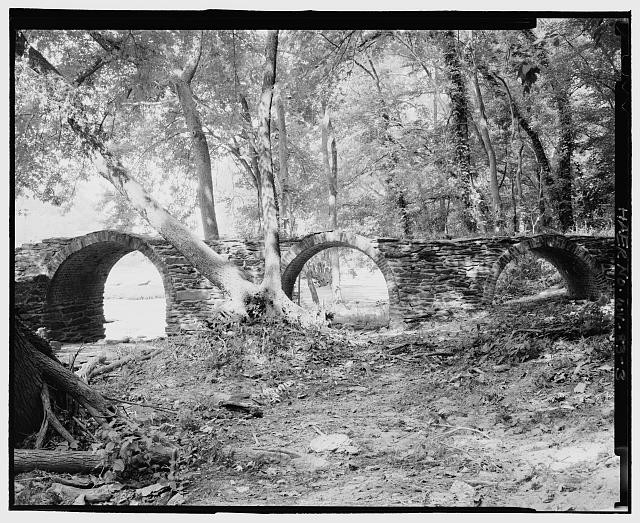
x,y
87,368
124,361
80,461
81,496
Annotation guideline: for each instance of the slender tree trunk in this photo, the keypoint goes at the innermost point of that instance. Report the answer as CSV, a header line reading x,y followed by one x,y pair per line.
x,y
459,114
312,288
203,161
272,280
483,129
518,220
254,169
330,162
562,187
285,200
182,83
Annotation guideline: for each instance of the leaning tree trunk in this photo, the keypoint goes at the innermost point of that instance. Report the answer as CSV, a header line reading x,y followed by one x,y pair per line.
x,y
202,155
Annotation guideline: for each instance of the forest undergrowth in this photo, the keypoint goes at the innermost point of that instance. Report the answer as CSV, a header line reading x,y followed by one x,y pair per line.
x,y
510,407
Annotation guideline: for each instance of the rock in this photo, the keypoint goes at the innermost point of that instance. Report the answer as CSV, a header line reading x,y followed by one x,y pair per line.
x,y
329,442
178,499
608,411
440,499
580,388
156,488
310,463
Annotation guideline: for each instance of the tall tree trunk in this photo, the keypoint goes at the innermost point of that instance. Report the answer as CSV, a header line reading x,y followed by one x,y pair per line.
x,y
483,130
272,280
254,168
459,114
182,83
518,219
544,168
330,162
562,186
283,154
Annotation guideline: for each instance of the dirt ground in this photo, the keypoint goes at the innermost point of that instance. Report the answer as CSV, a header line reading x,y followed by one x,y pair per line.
x,y
438,415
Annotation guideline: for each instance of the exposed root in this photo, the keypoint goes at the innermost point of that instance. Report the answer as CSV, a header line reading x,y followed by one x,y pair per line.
x,y
50,418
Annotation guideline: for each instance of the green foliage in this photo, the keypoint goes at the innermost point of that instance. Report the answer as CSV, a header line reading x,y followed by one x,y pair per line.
x,y
387,92
527,276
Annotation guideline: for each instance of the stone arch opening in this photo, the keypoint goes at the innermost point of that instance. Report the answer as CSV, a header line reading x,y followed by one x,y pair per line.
x,y
294,260
583,276
78,273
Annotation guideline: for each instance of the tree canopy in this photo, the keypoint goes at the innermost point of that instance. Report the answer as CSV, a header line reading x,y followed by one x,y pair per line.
x,y
435,133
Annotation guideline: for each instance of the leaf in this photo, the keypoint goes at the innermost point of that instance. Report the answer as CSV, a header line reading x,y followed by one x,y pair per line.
x,y
118,465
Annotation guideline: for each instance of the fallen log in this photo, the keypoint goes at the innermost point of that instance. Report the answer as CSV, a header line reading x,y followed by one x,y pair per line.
x,y
56,461
81,461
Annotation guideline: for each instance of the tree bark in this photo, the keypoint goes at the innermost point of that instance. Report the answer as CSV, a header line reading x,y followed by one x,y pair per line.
x,y
34,367
330,161
312,288
253,168
272,278
561,195
75,462
483,129
184,91
283,174
459,114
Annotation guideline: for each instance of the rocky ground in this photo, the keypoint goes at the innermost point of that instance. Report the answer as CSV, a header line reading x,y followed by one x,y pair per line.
x,y
509,408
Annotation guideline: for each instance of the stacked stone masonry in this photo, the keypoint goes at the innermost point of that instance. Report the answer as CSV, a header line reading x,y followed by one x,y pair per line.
x,y
59,283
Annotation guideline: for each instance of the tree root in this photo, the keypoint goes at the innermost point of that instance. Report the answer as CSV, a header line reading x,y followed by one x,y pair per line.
x,y
50,418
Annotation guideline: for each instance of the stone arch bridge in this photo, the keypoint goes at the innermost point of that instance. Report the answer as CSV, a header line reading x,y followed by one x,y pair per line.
x,y
59,283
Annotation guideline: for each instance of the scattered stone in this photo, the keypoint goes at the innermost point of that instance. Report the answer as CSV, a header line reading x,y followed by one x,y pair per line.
x,y
465,494
178,499
329,442
580,387
608,411
501,368
310,463
149,490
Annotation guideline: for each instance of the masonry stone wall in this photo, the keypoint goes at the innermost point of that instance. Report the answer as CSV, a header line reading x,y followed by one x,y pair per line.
x,y
59,283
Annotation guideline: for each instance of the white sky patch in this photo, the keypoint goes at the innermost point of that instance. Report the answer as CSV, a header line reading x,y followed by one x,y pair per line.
x,y
36,220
